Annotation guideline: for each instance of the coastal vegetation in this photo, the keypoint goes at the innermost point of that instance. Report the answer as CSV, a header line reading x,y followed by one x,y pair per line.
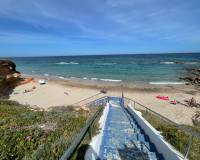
x,y
176,137
27,133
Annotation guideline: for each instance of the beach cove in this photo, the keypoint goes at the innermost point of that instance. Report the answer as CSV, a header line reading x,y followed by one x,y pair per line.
x,y
69,92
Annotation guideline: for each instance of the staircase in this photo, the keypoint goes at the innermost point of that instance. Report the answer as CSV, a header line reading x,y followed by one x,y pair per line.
x,y
123,138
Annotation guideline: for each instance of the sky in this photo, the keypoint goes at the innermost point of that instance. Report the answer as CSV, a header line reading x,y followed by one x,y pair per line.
x,y
78,27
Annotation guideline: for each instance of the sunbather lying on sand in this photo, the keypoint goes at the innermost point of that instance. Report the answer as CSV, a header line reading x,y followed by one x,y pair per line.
x,y
66,93
29,90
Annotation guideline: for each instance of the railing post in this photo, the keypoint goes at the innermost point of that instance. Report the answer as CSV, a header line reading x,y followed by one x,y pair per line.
x,y
108,99
188,146
146,111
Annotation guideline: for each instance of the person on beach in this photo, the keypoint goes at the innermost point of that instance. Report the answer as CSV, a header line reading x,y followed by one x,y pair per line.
x,y
66,93
192,102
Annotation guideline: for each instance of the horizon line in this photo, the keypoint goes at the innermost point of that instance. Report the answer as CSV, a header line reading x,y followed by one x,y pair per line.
x,y
101,54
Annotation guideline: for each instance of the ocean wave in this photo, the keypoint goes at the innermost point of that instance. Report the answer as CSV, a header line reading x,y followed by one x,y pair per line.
x,y
94,79
190,62
111,80
106,64
73,77
60,77
167,62
85,78
67,63
46,74
163,83
178,62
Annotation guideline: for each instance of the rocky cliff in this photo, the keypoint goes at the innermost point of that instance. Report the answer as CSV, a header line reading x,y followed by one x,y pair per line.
x,y
8,71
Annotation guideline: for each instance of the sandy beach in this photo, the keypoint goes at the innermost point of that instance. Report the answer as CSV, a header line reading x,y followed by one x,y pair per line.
x,y
65,93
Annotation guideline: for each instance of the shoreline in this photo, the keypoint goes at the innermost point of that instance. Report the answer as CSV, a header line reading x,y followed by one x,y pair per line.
x,y
98,84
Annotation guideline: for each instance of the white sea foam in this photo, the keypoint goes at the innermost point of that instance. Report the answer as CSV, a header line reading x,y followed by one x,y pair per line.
x,y
61,77
94,79
164,83
46,74
67,63
73,77
190,62
111,80
167,62
85,78
106,64
178,62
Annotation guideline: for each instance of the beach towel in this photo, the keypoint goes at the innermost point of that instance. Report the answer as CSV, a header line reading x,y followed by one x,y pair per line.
x,y
173,102
162,97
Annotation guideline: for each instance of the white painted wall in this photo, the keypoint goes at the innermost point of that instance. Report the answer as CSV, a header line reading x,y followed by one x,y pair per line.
x,y
163,147
94,149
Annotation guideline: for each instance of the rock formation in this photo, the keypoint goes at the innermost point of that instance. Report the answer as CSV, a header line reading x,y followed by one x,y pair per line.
x,y
192,76
8,71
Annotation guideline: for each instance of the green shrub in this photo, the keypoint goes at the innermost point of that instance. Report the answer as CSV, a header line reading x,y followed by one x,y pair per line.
x,y
22,137
176,137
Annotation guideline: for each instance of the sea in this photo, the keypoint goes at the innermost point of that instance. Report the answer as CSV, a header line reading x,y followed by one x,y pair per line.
x,y
137,68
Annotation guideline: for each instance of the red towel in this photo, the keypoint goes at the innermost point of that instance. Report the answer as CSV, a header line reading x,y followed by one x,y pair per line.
x,y
163,98
173,102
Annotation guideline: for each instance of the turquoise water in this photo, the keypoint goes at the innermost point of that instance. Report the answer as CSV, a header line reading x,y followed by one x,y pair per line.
x,y
154,68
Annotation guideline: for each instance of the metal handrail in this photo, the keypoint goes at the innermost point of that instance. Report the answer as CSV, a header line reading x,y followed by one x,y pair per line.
x,y
181,127
104,97
77,140
166,119
86,99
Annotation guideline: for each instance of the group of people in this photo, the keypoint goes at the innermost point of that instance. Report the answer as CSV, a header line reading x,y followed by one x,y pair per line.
x,y
190,103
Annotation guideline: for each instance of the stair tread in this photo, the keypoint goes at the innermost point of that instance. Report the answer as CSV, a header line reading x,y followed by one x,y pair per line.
x,y
122,137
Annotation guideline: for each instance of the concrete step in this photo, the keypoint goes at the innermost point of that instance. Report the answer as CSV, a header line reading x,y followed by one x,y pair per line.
x,y
123,138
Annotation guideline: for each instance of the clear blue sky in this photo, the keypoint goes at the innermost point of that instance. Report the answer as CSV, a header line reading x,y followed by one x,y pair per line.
x,y
67,27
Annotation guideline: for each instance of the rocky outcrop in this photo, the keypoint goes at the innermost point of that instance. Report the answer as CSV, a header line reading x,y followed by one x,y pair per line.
x,y
179,62
9,78
192,76
8,71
